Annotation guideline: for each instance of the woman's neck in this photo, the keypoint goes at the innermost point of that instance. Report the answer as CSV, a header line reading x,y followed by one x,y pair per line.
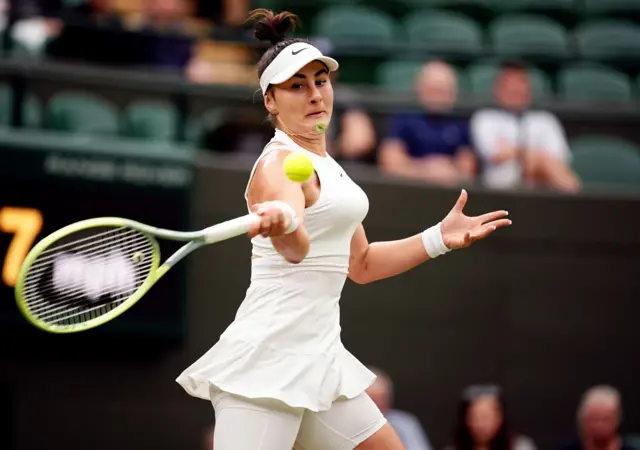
x,y
315,142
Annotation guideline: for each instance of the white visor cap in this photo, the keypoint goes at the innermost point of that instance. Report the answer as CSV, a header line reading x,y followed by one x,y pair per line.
x,y
290,60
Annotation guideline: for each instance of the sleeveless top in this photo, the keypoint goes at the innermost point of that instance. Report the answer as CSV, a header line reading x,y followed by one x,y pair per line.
x,y
285,340
331,220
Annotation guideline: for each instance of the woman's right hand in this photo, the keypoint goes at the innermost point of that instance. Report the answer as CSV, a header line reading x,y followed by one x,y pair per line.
x,y
273,220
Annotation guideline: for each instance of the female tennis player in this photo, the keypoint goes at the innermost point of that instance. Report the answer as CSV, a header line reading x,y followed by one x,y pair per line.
x,y
279,377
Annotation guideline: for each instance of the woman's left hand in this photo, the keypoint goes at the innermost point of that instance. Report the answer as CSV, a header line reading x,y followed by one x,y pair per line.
x,y
460,231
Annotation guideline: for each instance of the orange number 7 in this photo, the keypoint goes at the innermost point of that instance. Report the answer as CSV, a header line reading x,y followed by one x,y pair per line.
x,y
25,224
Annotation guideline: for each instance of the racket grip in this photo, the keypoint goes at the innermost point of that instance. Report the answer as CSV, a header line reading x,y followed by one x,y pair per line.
x,y
230,229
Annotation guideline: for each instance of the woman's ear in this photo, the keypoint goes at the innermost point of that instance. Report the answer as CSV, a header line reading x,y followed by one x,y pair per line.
x,y
270,104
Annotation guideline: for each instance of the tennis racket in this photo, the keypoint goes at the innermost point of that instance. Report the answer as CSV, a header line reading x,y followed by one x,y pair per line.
x,y
90,272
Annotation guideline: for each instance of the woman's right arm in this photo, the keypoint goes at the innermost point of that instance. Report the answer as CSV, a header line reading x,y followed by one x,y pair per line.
x,y
269,186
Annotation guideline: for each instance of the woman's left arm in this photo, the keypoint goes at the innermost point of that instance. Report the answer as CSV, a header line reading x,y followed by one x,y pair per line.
x,y
379,260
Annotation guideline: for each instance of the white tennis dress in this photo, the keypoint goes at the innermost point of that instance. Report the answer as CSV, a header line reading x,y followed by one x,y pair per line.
x,y
285,340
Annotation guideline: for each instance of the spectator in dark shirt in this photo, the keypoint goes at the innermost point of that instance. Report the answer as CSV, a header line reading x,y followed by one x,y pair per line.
x,y
433,145
170,41
599,416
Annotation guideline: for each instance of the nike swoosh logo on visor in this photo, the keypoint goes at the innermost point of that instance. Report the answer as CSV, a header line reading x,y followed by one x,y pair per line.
x,y
295,53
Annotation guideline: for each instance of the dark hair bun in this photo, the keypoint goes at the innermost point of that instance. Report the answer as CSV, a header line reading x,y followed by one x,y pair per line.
x,y
272,27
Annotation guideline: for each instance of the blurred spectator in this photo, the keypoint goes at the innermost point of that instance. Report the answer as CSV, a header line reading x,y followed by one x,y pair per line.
x,y
433,145
173,43
598,420
31,29
92,32
160,36
231,13
238,130
516,143
404,423
165,16
94,12
351,137
222,62
482,423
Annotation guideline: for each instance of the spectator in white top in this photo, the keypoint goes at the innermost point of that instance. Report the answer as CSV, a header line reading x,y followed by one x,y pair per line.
x,y
406,425
519,145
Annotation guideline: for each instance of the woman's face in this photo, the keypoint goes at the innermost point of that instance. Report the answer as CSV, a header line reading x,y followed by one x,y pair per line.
x,y
303,101
484,418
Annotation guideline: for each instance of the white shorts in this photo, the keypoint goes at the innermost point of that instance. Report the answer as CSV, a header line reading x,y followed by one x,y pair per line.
x,y
264,424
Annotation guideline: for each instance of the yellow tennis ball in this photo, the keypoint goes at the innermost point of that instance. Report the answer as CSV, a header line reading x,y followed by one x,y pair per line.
x,y
298,167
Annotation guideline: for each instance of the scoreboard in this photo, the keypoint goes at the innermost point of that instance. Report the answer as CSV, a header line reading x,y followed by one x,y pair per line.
x,y
48,182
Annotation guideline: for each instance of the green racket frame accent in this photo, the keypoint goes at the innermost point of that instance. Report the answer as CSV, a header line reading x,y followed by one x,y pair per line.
x,y
155,273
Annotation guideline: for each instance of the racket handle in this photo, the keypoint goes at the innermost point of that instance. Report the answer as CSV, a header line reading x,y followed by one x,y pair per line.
x,y
230,228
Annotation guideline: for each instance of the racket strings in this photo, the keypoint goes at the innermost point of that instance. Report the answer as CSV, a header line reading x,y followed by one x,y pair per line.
x,y
96,254
80,245
44,306
85,277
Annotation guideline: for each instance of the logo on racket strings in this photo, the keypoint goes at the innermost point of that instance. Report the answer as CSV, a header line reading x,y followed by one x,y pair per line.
x,y
92,278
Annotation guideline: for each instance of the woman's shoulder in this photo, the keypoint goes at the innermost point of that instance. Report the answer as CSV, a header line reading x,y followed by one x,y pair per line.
x,y
275,146
273,151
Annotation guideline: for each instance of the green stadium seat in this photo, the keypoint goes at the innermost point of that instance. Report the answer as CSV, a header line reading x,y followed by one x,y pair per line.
x,y
31,109
150,120
480,10
363,36
198,126
439,31
81,113
608,40
565,11
355,25
32,112
618,8
398,75
600,159
529,36
593,83
273,5
481,76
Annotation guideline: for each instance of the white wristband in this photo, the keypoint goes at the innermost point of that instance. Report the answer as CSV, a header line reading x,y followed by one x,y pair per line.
x,y
289,211
433,242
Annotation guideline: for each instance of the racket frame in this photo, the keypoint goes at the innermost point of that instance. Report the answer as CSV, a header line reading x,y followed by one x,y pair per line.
x,y
194,240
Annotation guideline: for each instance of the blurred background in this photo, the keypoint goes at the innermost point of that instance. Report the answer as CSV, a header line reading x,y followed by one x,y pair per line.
x,y
150,110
